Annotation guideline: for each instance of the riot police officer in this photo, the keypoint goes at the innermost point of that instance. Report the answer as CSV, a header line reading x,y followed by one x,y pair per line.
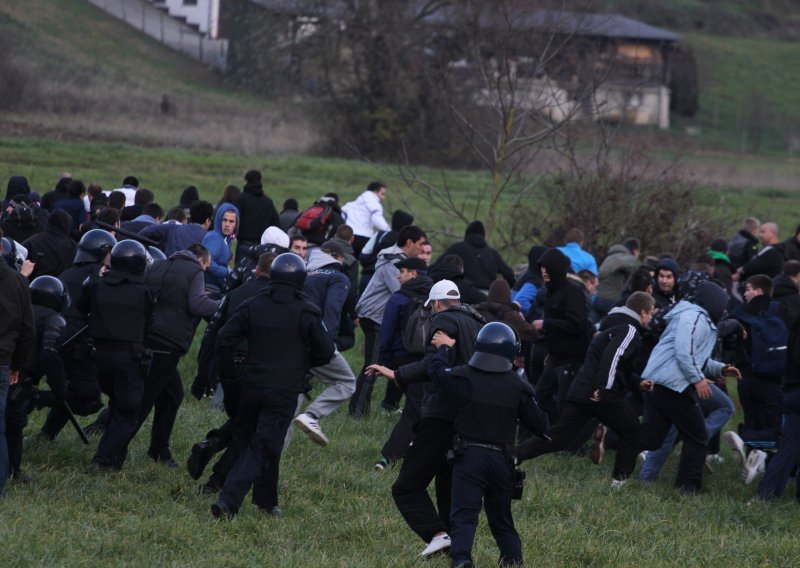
x,y
83,393
120,308
285,338
491,400
49,298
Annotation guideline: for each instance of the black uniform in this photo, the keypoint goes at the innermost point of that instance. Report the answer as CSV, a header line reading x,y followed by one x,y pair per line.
x,y
24,397
285,339
83,392
433,435
489,407
120,309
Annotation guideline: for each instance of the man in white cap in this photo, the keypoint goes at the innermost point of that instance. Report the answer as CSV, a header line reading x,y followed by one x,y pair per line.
x,y
433,435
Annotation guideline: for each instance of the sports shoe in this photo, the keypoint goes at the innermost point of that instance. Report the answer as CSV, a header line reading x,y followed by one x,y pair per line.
x,y
737,446
381,464
598,444
220,510
275,511
756,463
617,484
312,429
713,460
641,458
437,544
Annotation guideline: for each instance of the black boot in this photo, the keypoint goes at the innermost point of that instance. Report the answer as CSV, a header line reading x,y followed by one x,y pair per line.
x,y
201,454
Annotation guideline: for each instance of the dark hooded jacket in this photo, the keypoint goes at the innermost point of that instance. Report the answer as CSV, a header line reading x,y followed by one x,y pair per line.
x,y
60,192
17,185
790,248
54,244
768,261
469,293
392,352
743,247
379,241
498,307
20,220
566,325
786,292
256,213
482,263
663,300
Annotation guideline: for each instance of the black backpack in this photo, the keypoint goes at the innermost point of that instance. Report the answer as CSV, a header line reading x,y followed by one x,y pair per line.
x,y
417,327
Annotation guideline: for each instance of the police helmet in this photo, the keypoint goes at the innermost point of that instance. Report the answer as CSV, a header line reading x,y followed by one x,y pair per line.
x,y
50,292
94,246
156,253
288,268
495,349
130,256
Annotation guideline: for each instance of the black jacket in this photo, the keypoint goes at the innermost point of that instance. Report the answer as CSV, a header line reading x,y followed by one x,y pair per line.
x,y
743,247
54,244
469,293
17,331
790,249
285,339
566,326
327,287
256,213
482,263
786,292
609,359
768,261
462,323
178,286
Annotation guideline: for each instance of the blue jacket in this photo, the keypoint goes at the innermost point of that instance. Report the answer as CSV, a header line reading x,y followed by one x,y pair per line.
x,y
682,356
579,258
219,246
525,296
327,287
175,236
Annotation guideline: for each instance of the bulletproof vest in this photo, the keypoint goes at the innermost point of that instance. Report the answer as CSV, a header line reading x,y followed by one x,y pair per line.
x,y
169,281
73,279
119,309
277,357
492,413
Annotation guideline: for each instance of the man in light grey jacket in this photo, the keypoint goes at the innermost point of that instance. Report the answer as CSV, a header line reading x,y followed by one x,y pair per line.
x,y
614,272
370,307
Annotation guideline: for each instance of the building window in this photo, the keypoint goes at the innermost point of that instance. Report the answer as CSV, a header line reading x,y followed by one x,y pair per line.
x,y
190,2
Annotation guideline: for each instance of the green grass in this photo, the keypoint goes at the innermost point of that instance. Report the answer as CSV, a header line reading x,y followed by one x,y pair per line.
x,y
339,512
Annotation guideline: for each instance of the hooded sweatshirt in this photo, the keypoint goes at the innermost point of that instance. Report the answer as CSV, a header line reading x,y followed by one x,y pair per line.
x,y
527,285
498,307
175,236
17,185
566,326
54,244
663,300
383,284
219,246
682,356
615,271
257,212
482,263
327,287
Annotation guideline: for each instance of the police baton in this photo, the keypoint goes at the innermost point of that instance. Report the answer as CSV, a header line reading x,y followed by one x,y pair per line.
x,y
126,233
75,336
74,421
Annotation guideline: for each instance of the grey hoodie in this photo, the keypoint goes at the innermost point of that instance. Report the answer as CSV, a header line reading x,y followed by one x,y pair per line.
x,y
383,284
615,271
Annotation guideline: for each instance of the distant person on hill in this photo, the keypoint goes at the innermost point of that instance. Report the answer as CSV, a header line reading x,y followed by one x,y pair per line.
x,y
482,263
256,212
175,237
365,214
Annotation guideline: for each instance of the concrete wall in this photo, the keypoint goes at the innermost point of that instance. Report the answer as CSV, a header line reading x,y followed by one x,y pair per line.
x,y
203,13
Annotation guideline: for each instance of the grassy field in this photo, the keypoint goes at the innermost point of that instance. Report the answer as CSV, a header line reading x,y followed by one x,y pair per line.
x,y
338,510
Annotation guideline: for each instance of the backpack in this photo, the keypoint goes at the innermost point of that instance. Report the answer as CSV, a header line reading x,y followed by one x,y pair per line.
x,y
768,339
315,218
417,329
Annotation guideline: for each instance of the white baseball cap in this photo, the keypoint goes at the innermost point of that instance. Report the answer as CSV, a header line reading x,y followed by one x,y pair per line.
x,y
443,290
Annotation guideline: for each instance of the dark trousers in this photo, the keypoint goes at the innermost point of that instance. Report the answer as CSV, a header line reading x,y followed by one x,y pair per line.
x,y
163,393
360,401
683,410
761,405
553,385
358,244
118,374
780,467
83,393
616,414
425,461
483,475
272,411
397,445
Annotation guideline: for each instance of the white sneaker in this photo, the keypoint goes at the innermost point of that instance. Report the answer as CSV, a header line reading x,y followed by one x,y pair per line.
x,y
437,544
641,458
312,429
756,463
737,446
617,484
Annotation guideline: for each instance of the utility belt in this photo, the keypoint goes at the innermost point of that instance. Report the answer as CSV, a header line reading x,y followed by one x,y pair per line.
x,y
460,445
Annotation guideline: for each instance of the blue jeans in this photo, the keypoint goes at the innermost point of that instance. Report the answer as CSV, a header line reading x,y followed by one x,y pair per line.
x,y
717,411
3,444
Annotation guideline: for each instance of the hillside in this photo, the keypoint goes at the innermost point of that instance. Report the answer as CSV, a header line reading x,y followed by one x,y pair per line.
x,y
68,70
